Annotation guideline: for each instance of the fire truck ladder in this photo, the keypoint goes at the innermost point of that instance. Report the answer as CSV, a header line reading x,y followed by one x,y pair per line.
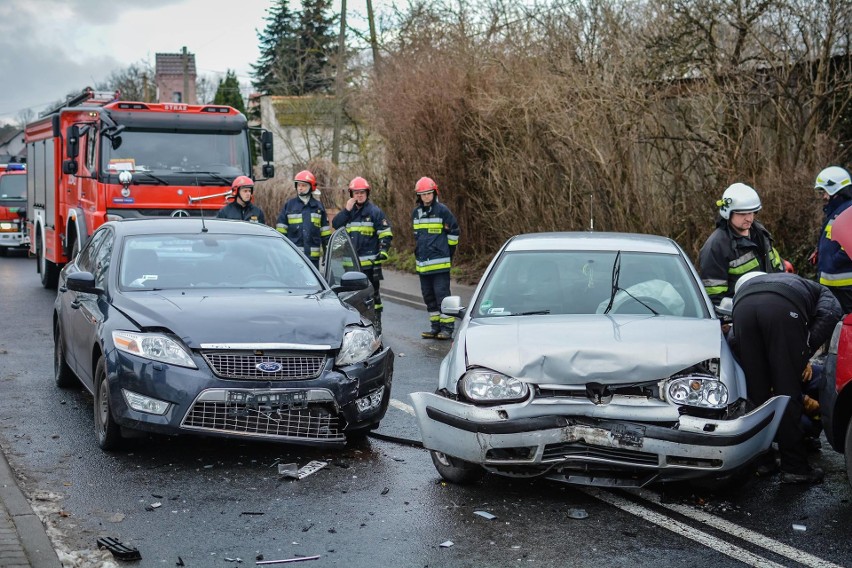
x,y
88,96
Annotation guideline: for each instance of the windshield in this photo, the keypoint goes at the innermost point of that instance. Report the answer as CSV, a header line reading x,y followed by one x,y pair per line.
x,y
580,282
163,261
213,158
13,190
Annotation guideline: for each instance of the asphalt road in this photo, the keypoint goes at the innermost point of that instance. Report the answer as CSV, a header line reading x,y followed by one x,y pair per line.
x,y
205,501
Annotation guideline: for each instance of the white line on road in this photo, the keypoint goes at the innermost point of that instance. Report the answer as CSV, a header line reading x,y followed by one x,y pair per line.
x,y
740,532
735,552
398,404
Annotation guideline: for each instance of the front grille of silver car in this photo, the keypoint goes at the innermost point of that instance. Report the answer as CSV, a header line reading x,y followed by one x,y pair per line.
x,y
578,451
315,422
244,365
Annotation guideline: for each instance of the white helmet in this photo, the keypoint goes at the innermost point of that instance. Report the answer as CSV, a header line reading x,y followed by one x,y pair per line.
x,y
738,198
832,180
745,278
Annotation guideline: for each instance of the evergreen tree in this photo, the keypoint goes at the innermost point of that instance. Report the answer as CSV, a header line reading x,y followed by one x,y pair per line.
x,y
318,41
276,40
228,92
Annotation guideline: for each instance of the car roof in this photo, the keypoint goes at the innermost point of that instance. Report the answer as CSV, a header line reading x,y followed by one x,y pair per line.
x,y
189,225
628,242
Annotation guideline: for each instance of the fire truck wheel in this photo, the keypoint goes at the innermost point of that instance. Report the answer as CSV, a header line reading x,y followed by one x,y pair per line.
x,y
3,251
848,451
106,429
48,270
62,373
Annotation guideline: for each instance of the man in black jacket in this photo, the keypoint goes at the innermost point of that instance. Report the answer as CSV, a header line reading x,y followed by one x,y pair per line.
x,y
241,208
780,320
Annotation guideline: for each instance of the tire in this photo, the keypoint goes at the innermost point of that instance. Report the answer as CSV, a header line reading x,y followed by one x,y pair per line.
x,y
63,376
3,251
848,451
107,432
48,270
455,470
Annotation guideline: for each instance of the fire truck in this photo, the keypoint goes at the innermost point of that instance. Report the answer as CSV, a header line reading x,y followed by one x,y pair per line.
x,y
13,207
96,158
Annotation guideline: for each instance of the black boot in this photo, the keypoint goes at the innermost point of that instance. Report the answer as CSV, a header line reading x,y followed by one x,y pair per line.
x,y
432,333
446,332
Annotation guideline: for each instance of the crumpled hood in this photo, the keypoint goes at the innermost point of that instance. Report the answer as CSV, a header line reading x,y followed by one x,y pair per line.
x,y
240,316
576,349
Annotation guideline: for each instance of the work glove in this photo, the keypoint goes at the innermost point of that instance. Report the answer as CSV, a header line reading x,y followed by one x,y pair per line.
x,y
808,373
381,257
811,406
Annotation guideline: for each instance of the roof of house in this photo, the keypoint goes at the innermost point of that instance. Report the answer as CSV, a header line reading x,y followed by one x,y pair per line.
x,y
172,63
9,135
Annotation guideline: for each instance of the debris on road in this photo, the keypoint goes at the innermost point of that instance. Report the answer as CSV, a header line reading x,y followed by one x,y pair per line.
x,y
289,469
180,562
446,544
237,560
119,550
577,514
252,513
116,518
287,560
800,528
485,515
385,491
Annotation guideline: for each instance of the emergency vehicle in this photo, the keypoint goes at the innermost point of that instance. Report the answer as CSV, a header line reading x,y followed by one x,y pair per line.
x,y
96,159
13,207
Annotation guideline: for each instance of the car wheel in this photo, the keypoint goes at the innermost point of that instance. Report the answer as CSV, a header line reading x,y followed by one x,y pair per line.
x,y
63,376
455,470
107,431
848,451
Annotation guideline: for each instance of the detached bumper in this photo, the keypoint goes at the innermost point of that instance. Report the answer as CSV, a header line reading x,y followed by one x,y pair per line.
x,y
569,442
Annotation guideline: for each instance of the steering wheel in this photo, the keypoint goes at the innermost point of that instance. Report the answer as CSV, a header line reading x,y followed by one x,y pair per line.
x,y
634,306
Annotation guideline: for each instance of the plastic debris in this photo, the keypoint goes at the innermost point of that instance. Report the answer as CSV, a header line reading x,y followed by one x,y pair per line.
x,y
289,469
287,560
385,491
446,544
485,515
237,560
800,528
118,549
180,562
577,514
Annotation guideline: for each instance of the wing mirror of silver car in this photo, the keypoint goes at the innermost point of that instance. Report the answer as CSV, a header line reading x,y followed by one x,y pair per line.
x,y
725,307
451,306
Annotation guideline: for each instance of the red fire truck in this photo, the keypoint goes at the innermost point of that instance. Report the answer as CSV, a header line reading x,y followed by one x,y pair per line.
x,y
13,207
96,159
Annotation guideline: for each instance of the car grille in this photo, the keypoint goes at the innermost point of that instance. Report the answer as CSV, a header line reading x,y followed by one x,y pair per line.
x,y
312,423
576,451
236,365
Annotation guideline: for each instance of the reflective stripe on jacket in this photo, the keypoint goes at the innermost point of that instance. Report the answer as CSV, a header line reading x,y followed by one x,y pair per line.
x,y
436,235
306,224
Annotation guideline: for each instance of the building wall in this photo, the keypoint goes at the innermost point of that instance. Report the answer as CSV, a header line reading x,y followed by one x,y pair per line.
x,y
169,84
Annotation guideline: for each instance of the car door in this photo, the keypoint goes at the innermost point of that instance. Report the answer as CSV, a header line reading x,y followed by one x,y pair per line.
x,y
340,257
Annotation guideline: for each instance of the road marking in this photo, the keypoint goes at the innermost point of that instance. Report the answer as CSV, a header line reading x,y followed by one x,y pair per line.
x,y
712,542
402,406
740,532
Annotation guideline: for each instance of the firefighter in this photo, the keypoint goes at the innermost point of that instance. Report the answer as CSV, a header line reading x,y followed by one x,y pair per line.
x,y
833,264
303,219
241,207
780,320
738,245
371,235
436,235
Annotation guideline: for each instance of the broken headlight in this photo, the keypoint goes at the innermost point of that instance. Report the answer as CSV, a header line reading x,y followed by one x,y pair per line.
x,y
484,385
704,392
358,344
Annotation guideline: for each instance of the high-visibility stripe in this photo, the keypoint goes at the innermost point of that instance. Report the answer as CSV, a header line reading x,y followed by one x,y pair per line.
x,y
315,252
367,231
447,319
294,218
742,269
452,240
434,316
325,231
433,268
385,233
711,290
281,228
426,224
839,279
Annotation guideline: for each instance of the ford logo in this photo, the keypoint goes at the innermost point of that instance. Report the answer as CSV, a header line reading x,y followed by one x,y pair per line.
x,y
269,367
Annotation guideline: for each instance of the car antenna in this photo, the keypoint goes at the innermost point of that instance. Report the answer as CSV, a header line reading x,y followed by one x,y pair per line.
x,y
591,212
200,209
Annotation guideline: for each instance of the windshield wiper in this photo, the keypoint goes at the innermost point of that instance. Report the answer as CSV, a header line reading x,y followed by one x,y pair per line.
x,y
159,180
532,313
216,175
616,271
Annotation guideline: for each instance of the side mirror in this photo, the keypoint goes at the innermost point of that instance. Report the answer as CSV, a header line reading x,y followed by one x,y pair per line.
x,y
725,307
268,171
82,282
352,282
69,167
451,306
72,142
266,146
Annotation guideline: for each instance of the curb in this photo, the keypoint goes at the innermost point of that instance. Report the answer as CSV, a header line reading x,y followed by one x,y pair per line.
x,y
30,532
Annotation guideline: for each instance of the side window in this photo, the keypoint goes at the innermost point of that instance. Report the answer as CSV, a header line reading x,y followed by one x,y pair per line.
x,y
341,257
90,150
86,258
102,258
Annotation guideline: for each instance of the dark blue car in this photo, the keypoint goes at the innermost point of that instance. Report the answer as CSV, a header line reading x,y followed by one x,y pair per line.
x,y
218,327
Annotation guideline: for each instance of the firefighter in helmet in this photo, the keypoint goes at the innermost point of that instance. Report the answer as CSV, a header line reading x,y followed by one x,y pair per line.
x,y
370,232
303,219
833,264
739,244
436,235
241,208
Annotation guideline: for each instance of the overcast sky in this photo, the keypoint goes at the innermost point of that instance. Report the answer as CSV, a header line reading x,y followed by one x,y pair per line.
x,y
49,48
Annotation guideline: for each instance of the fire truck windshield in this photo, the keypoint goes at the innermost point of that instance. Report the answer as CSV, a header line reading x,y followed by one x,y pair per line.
x,y
206,158
13,190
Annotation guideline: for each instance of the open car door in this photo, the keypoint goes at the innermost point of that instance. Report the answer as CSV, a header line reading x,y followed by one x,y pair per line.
x,y
340,258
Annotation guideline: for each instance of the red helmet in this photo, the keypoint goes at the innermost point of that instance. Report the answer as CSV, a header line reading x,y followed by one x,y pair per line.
x,y
425,185
306,177
241,181
359,183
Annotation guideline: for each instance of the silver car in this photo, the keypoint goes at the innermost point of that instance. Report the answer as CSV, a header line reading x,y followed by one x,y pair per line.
x,y
591,358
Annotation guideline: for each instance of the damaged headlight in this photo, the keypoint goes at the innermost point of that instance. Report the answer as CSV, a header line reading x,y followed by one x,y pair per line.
x,y
358,344
155,346
704,392
484,385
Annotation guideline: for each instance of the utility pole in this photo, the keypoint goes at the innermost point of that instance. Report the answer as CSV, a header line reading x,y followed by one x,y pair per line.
x,y
145,87
185,96
373,45
338,85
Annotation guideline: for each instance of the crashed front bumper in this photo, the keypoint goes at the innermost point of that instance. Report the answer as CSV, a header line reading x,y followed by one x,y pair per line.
x,y
507,437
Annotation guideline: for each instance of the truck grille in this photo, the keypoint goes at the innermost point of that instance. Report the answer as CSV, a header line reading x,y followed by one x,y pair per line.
x,y
290,366
314,423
